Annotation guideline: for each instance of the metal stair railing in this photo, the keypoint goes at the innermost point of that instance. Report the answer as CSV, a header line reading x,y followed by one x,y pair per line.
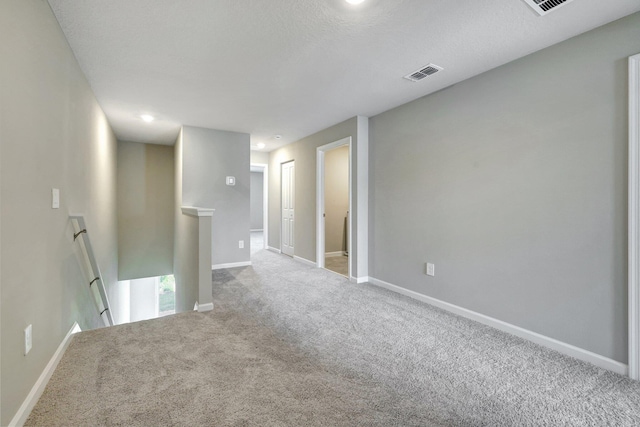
x,y
96,284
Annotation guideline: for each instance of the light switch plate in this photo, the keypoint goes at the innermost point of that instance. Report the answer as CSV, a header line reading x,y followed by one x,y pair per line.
x,y
55,198
431,269
231,180
28,339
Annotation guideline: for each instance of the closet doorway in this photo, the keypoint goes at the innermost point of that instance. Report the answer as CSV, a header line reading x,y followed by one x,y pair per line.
x,y
287,196
334,207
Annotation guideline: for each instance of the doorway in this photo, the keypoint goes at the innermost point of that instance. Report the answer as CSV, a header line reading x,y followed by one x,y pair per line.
x,y
259,206
287,174
334,226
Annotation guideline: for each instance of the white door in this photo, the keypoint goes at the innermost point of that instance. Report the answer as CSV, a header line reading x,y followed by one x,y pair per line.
x,y
288,203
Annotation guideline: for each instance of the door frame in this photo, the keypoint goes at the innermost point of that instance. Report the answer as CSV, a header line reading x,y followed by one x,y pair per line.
x,y
265,201
294,205
320,226
634,217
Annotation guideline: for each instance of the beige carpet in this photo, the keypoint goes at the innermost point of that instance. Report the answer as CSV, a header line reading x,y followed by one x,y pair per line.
x,y
201,369
291,345
337,264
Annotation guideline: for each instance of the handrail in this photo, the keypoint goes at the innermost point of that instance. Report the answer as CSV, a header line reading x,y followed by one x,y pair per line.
x,y
99,292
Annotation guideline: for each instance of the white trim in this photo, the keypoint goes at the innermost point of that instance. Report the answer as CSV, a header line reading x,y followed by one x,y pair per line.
x,y
205,307
333,254
272,249
559,346
156,299
320,229
38,388
319,207
197,212
230,265
360,280
257,229
304,261
634,217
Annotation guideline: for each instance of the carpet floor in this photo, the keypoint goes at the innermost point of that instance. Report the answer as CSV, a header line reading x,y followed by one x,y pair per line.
x,y
291,345
337,264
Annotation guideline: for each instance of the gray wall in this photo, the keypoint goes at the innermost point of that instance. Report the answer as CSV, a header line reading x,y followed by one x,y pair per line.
x,y
145,210
53,134
209,156
304,154
514,184
257,200
336,194
185,249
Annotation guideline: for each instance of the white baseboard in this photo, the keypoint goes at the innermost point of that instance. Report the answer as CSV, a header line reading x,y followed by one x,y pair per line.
x,y
305,261
230,265
364,279
257,229
272,249
38,388
204,307
559,346
333,254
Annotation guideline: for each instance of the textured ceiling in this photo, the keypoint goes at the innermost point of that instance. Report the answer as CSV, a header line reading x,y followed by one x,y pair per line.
x,y
294,67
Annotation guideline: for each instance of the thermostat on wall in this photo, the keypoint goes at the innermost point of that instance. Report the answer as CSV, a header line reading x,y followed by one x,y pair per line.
x,y
231,180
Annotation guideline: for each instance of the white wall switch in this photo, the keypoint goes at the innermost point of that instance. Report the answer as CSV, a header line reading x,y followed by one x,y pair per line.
x,y
431,269
241,244
55,198
27,339
231,180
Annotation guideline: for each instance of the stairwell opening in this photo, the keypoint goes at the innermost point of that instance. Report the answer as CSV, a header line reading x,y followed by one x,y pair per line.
x,y
148,298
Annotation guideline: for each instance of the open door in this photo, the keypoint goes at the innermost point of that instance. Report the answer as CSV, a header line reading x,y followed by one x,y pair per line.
x,y
334,204
288,207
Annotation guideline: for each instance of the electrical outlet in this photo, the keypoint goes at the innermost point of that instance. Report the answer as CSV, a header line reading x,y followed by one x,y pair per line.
x,y
241,244
27,339
430,269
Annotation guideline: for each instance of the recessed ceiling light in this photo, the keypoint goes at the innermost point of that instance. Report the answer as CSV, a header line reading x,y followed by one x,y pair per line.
x,y
354,1
261,145
147,118
277,136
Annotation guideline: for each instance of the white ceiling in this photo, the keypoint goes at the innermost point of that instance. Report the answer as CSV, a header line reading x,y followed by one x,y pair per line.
x,y
294,67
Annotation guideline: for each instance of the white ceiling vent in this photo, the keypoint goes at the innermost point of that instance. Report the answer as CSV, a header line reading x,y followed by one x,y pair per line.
x,y
423,72
542,7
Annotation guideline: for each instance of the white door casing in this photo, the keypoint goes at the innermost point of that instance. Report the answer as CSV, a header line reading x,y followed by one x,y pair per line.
x,y
634,217
288,207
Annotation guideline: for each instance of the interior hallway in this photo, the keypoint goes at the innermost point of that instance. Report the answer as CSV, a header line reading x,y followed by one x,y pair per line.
x,y
289,344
